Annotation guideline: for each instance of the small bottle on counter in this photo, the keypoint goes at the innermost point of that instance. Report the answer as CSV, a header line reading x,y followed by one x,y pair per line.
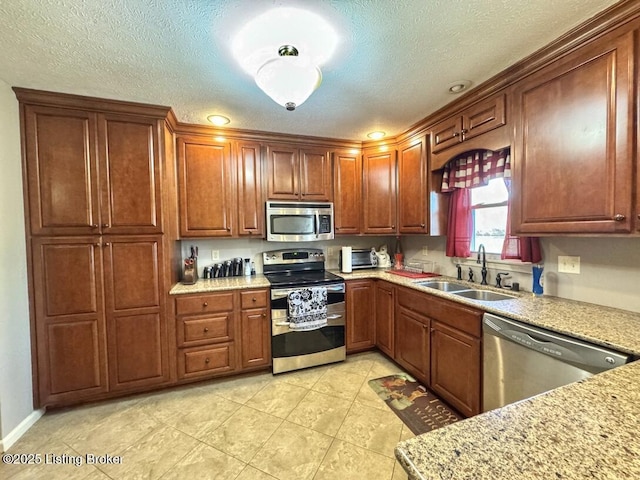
x,y
253,268
537,280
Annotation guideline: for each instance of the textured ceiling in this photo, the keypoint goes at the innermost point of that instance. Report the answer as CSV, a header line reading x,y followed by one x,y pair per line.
x,y
393,66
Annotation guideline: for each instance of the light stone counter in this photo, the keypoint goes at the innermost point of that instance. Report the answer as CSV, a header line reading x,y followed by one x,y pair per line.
x,y
587,429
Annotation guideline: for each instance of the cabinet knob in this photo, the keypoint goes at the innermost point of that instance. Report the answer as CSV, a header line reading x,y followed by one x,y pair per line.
x,y
619,217
105,225
422,225
206,329
206,360
97,244
95,225
464,130
393,227
264,315
228,229
254,299
205,304
107,244
455,134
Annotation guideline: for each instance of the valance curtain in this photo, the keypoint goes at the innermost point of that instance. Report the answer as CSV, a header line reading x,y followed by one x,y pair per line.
x,y
474,169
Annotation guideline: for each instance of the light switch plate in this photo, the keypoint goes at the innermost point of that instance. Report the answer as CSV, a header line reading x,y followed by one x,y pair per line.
x,y
425,251
215,254
567,264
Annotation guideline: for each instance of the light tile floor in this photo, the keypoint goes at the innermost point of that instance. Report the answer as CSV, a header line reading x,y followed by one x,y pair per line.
x,y
322,423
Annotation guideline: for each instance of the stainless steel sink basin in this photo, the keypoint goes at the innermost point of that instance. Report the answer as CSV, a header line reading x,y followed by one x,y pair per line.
x,y
484,295
442,285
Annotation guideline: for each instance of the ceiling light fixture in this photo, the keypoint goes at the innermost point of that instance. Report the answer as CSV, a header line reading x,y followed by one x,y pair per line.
x,y
218,120
283,50
376,135
459,86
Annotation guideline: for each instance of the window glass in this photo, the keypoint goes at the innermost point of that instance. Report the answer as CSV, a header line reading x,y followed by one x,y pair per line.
x,y
489,211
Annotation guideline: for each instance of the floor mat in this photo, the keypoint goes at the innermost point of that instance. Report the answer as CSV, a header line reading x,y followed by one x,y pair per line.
x,y
416,406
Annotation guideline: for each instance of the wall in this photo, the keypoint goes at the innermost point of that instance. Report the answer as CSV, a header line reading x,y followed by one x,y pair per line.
x,y
16,405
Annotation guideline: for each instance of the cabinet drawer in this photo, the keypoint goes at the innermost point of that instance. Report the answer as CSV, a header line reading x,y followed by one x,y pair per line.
x,y
204,330
208,303
195,362
254,299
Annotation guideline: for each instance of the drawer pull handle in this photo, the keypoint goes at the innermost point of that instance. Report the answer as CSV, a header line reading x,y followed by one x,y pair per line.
x,y
206,329
205,304
206,360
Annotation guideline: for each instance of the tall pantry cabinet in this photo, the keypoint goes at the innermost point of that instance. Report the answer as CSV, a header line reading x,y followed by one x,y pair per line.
x,y
96,203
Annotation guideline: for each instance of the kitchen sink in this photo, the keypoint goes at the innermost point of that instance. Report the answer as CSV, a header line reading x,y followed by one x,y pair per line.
x,y
442,285
483,295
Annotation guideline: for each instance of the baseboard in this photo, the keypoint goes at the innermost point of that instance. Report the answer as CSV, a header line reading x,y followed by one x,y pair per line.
x,y
15,434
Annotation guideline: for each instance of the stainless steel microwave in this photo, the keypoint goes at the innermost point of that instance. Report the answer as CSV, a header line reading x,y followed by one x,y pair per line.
x,y
299,221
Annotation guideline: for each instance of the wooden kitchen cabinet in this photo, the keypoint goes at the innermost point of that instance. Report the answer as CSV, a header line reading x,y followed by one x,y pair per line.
x,y
573,158
298,173
361,320
90,173
412,343
250,194
379,190
460,132
413,196
347,185
455,368
255,329
385,321
206,186
206,334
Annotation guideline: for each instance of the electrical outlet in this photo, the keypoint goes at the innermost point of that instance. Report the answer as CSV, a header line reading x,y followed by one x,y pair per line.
x,y
425,251
215,254
567,264
330,251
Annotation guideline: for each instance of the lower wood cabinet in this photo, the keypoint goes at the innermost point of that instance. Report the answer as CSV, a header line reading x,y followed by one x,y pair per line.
x,y
360,320
384,313
455,368
412,343
222,332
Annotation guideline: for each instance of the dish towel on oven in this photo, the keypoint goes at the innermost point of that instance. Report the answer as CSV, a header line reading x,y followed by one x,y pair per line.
x,y
307,308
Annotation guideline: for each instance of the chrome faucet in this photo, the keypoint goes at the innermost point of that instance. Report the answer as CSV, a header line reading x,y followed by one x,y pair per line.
x,y
483,271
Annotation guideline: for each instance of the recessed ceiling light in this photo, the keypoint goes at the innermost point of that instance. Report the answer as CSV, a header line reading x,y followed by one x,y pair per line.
x,y
459,86
218,120
376,135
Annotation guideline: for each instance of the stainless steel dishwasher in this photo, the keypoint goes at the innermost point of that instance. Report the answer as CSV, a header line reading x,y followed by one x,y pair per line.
x,y
520,361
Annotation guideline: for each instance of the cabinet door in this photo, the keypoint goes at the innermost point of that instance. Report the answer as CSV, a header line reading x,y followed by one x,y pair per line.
x,y
455,368
483,117
379,192
250,196
130,173
360,315
413,201
136,319
347,184
446,133
256,338
315,175
573,159
412,343
206,186
283,172
61,171
69,321
384,313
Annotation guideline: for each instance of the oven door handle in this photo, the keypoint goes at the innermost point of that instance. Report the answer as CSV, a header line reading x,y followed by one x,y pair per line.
x,y
276,294
333,317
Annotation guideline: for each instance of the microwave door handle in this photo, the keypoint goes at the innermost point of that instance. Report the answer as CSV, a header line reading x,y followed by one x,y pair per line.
x,y
317,225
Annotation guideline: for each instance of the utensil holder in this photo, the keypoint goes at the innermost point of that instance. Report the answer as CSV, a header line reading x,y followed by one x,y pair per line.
x,y
190,273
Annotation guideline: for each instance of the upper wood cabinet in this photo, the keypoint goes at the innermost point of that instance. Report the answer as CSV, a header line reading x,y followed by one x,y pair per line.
x,y
250,193
462,130
92,173
379,190
206,184
295,173
413,197
347,186
573,158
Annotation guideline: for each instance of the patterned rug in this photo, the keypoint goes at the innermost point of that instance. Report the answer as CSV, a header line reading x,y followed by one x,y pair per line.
x,y
416,406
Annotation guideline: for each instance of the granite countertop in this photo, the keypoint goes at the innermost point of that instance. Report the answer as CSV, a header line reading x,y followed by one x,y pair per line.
x,y
587,429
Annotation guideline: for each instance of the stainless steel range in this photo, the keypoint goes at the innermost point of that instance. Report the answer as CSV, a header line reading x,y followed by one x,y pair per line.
x,y
307,309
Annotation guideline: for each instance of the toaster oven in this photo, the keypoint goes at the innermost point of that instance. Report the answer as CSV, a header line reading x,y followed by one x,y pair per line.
x,y
361,258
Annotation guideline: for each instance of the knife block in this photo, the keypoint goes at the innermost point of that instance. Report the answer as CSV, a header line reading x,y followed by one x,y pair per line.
x,y
190,273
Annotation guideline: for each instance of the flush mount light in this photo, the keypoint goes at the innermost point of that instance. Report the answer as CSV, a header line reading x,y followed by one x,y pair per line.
x,y
459,86
284,49
218,120
376,135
